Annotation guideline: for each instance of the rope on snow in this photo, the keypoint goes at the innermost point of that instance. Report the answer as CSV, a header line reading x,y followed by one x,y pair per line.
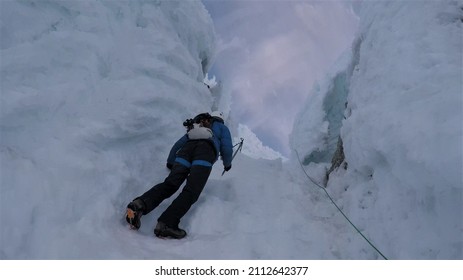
x,y
339,209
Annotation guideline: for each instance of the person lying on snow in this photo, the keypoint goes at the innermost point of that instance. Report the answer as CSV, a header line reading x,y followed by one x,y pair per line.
x,y
191,159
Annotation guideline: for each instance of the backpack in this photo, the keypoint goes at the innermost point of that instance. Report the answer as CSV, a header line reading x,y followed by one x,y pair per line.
x,y
189,123
196,130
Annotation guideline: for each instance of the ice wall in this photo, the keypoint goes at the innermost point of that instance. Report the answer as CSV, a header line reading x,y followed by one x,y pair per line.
x,y
93,94
402,135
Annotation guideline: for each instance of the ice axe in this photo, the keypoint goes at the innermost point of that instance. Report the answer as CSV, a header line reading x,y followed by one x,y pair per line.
x,y
240,146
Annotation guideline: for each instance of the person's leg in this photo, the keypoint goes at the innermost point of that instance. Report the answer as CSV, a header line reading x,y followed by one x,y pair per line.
x,y
189,195
154,196
202,155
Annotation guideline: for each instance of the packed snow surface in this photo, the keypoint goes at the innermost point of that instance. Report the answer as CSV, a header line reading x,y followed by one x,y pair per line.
x,y
93,95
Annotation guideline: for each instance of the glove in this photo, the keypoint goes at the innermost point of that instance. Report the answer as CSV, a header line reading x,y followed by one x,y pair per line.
x,y
226,168
169,165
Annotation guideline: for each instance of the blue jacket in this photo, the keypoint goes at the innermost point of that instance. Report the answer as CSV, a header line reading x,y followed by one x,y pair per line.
x,y
222,143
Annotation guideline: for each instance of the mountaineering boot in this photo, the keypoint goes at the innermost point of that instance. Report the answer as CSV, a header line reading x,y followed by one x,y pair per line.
x,y
163,230
134,213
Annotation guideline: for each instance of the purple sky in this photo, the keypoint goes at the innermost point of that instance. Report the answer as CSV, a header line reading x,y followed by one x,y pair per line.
x,y
271,53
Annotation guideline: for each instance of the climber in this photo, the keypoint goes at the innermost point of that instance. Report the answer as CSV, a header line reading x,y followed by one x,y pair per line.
x,y
191,159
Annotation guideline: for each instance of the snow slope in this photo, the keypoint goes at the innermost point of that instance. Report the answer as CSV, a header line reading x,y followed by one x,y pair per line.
x,y
93,94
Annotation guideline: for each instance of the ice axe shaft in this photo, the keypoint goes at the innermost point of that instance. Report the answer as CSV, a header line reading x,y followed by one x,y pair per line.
x,y
237,150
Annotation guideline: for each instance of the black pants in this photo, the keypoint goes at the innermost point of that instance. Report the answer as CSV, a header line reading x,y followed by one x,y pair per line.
x,y
193,164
